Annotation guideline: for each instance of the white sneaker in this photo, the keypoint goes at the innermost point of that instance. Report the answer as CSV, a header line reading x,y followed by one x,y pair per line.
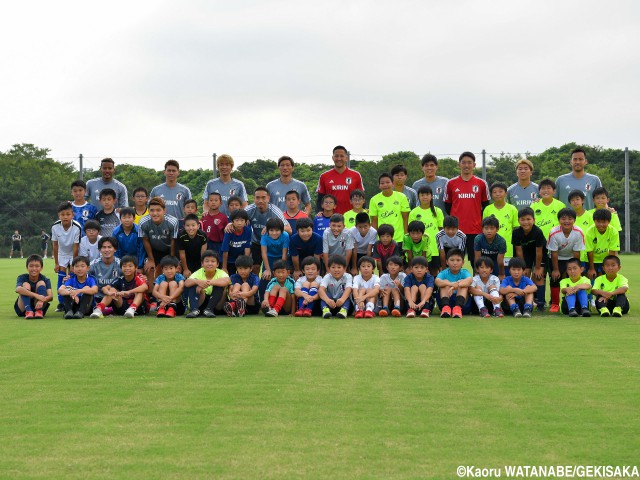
x,y
593,302
97,313
271,313
130,313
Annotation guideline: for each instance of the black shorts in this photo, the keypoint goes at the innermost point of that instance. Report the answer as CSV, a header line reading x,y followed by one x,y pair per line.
x,y
435,262
256,253
16,247
157,256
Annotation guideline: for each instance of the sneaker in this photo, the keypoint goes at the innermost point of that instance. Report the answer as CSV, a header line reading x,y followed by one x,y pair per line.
x,y
384,312
573,313
484,312
271,313
299,313
241,307
209,313
170,312
526,313
342,313
97,313
411,313
498,312
457,312
307,312
28,314
38,314
265,310
555,308
517,313
369,314
359,314
326,313
130,313
230,309
617,312
161,312
153,307
78,315
586,312
445,312
396,312
424,313
60,308
541,307
193,313
604,312
68,315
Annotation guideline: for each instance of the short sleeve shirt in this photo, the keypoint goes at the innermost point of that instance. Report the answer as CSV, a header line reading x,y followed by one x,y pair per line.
x,y
320,224
252,280
235,244
454,277
105,274
522,197
213,226
201,274
96,185
302,249
339,245
432,224
73,282
566,183
258,220
66,239
387,282
159,236
336,286
529,243
508,218
547,215
389,210
340,185
567,282
418,249
24,278
289,284
359,282
192,247
522,284
438,187
603,283
227,190
411,281
278,190
601,243
493,283
274,247
174,197
466,198
362,243
565,245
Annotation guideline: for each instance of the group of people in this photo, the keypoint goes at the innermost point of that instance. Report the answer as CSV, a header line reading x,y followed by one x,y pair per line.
x,y
402,256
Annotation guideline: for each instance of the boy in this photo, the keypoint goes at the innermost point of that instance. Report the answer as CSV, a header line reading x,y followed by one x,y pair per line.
x,y
129,239
293,213
357,202
279,291
575,287
453,283
213,222
416,243
190,208
449,238
546,209
82,210
485,288
243,292
433,219
601,201
391,287
366,288
389,208
385,247
192,242
418,288
337,241
335,289
168,288
108,217
33,289
206,286
506,214
530,245
234,203
140,199
490,244
88,246
106,268
274,246
127,294
322,220
611,289
65,235
305,243
159,232
237,242
583,219
518,290
565,241
364,238
78,290
601,239
399,176
306,287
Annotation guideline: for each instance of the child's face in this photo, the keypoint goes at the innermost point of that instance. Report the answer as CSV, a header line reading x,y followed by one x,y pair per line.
x,y
600,201
489,232
546,191
214,202
210,264
484,270
601,225
357,202
34,268
107,250
156,212
169,271
78,194
573,270
393,268
385,184
129,269
451,231
190,208
336,228
328,204
292,202
239,224
498,194
366,269
65,216
305,233
310,271
425,199
275,233
233,206
419,271
127,221
107,202
416,236
566,222
516,273
576,202
455,262
80,269
400,178
244,271
610,267
336,270
385,239
191,226
281,274
526,222
363,228
92,234
140,200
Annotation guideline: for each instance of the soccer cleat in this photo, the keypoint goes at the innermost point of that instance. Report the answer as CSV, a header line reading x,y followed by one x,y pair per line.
x,y
604,312
153,307
78,315
411,313
617,312
497,311
241,307
170,312
586,312
526,313
60,308
445,312
457,312
424,313
369,314
209,313
229,309
28,314
517,314
265,310
130,313
555,308
541,307
68,315
307,312
193,313
299,313
573,313
161,312
484,312
271,313
396,312
342,313
384,312
326,313
38,314
359,314
97,313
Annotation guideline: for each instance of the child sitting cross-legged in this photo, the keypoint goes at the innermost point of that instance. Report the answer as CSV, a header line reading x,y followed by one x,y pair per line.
x,y
418,288
485,289
518,290
243,292
168,288
391,287
206,286
279,291
127,294
307,285
574,288
366,287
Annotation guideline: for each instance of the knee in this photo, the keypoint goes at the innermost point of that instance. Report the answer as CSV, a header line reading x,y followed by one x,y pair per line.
x,y
27,286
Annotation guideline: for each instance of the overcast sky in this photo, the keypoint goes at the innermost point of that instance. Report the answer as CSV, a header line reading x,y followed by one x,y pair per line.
x,y
260,79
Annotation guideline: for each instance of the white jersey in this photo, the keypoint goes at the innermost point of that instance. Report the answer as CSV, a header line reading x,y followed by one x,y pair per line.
x,y
359,282
88,249
303,279
66,239
493,283
565,246
362,243
387,282
336,286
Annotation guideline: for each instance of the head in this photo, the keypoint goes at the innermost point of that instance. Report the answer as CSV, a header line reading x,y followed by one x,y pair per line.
x,y
157,210
280,270
329,203
214,201
107,247
80,266
357,199
285,166
416,230
292,199
337,266
128,265
34,265
107,169
169,266
600,197
498,192
209,261
516,268
366,266
274,227
385,233
190,206
127,217
484,266
225,164
611,265
574,269
304,227
340,157
450,225
363,223
108,199
65,213
394,265
467,162
234,203
310,267
429,165
567,217
490,227
244,264
524,169
425,195
261,198
546,188
419,267
171,170
239,218
455,260
92,230
140,197
191,224
576,199
399,175
78,190
385,182
526,218
602,219
336,224
578,160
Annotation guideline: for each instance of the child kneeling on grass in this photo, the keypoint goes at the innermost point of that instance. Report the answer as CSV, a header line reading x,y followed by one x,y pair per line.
x,y
168,288
418,288
33,289
279,291
127,293
243,292
485,289
366,287
78,290
392,287
206,286
335,289
453,283
574,288
518,290
611,289
306,287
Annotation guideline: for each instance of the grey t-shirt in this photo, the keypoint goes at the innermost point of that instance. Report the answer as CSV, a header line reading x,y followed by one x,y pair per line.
x,y
566,183
337,245
412,196
226,190
108,222
174,197
258,219
336,287
159,235
278,190
362,243
96,185
439,187
522,197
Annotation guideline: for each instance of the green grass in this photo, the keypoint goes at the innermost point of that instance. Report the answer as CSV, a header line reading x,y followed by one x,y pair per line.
x,y
312,398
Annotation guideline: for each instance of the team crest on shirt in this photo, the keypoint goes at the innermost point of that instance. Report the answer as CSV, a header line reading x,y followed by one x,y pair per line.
x,y
179,196
475,189
348,181
216,221
439,190
418,216
396,202
533,195
380,204
538,211
595,240
587,187
232,192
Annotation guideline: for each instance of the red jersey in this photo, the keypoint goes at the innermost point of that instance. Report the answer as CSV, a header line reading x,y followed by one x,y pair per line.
x,y
340,185
213,226
466,198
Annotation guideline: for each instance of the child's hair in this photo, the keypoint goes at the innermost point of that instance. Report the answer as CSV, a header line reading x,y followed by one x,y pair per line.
x,y
450,222
280,265
615,258
501,185
111,240
310,261
211,253
399,169
34,258
567,212
129,259
64,206
600,191
526,211
192,216
517,262
363,218
234,198
426,189
274,224
292,192
305,222
125,212
214,194
385,175
140,189
491,221
419,261
428,158
157,201
416,226
455,252
599,214
92,225
337,260
240,213
386,229
79,183
367,259
80,259
331,197
548,182
244,261
570,261
108,192
484,261
169,261
396,260
576,193
356,193
187,202
336,218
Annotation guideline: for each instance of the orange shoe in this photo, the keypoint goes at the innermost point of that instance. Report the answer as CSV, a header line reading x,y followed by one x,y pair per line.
x,y
396,313
555,308
161,312
28,314
457,312
38,314
445,312
170,312
384,312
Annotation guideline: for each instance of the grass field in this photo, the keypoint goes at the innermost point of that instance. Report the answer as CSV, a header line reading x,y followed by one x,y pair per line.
x,y
311,398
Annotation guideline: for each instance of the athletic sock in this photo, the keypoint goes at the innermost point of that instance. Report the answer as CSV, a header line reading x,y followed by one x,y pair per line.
x,y
134,306
272,300
540,293
555,295
101,306
279,304
528,307
26,301
369,306
460,301
514,308
313,291
445,301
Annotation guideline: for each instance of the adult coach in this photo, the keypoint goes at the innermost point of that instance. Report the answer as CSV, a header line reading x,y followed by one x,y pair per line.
x,y
16,244
278,188
340,181
524,192
173,193
438,184
577,179
225,185
465,198
106,180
